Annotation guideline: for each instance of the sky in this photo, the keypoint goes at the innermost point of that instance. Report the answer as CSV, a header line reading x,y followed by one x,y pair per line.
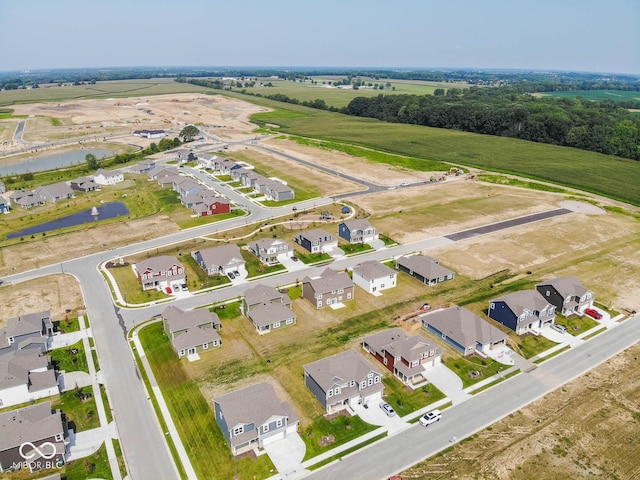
x,y
576,35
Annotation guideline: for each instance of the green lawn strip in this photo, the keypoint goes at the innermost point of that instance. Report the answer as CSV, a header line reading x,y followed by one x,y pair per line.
x,y
531,345
495,382
191,221
209,452
234,184
131,288
226,311
609,310
65,359
95,465
156,407
105,401
224,178
309,258
355,248
294,292
502,180
244,190
576,324
83,414
463,366
347,451
404,400
387,241
593,334
67,326
552,354
256,268
121,462
96,364
342,428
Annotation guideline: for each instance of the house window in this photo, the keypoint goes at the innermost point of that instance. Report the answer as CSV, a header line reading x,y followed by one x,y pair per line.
x,y
352,383
279,423
384,360
319,304
11,340
276,324
492,306
182,353
328,301
370,382
382,285
205,346
376,379
59,437
415,363
340,290
547,293
265,428
333,292
319,296
289,321
348,295
330,393
238,430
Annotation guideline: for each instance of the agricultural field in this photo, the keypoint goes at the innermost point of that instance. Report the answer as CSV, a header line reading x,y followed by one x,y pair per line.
x,y
586,429
598,95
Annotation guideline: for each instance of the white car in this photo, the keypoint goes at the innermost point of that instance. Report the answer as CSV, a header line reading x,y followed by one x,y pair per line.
x,y
431,417
388,409
558,328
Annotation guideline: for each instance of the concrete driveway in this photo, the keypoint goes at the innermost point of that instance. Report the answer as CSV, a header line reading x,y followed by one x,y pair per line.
x,y
447,382
70,380
287,454
83,444
375,416
290,265
557,337
66,339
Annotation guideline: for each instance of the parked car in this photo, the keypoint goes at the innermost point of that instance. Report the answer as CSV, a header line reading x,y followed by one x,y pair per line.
x,y
558,328
176,287
168,290
593,313
294,258
404,184
388,409
184,287
236,273
431,417
425,306
231,275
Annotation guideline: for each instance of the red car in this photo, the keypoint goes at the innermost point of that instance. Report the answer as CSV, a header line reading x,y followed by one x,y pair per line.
x,y
593,313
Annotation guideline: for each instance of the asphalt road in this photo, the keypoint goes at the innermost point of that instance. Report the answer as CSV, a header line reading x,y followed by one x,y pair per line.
x,y
398,452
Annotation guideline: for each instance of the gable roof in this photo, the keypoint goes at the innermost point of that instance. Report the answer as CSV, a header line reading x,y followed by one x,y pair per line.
x,y
530,300
315,235
161,263
264,294
15,367
266,243
567,286
358,224
178,319
27,323
339,369
254,404
399,344
424,266
463,326
29,424
329,281
266,314
194,337
107,173
222,255
55,190
373,269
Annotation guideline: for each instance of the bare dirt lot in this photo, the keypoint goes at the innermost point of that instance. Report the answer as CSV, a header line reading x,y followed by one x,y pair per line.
x,y
587,429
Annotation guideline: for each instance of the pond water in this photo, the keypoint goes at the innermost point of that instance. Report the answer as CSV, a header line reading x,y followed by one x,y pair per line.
x,y
53,161
107,210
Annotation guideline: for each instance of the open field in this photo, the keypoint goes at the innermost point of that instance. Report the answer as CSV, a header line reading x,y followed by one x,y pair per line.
x,y
599,95
606,175
586,429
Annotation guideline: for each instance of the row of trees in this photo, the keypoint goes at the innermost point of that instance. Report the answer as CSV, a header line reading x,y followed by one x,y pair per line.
x,y
598,126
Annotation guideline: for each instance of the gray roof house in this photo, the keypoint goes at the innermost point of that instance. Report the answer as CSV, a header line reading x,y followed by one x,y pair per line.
x,y
84,184
268,249
253,416
358,231
191,332
29,331
426,269
54,193
108,177
316,240
159,272
220,260
524,311
35,424
465,331
261,294
25,199
373,276
407,357
567,294
267,317
277,191
183,155
343,380
205,160
143,167
330,288
25,376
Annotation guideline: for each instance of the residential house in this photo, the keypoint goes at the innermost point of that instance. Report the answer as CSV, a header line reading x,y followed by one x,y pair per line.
x,y
182,155
426,269
29,331
567,294
343,380
159,272
277,190
186,186
219,260
373,276
227,166
267,317
211,206
238,174
330,288
162,172
54,193
269,249
26,376
24,432
149,133
524,311
465,331
143,167
207,160
108,177
358,231
316,240
261,294
406,357
25,199
4,205
84,184
253,417
191,332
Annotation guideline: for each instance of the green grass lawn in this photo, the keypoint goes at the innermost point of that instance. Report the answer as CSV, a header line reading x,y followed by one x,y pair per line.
x,y
463,366
308,258
131,289
575,324
197,278
343,428
256,268
353,248
120,457
105,401
83,414
95,465
68,325
404,400
64,358
208,450
603,174
227,311
530,346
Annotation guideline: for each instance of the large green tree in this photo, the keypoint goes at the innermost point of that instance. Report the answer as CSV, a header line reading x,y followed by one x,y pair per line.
x,y
188,133
92,162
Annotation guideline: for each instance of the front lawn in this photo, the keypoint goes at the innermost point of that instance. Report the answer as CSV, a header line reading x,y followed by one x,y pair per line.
x,y
130,287
256,268
342,428
473,369
67,326
404,400
95,465
532,345
226,311
353,248
197,278
575,324
79,407
70,359
309,258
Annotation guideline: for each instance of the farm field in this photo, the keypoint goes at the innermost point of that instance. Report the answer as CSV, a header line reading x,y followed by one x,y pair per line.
x,y
599,95
597,173
586,429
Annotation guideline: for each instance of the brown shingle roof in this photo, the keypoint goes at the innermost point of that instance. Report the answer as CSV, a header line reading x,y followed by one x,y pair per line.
x,y
463,326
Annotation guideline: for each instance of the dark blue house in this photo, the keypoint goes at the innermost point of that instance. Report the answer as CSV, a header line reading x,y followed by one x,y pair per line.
x,y
522,311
